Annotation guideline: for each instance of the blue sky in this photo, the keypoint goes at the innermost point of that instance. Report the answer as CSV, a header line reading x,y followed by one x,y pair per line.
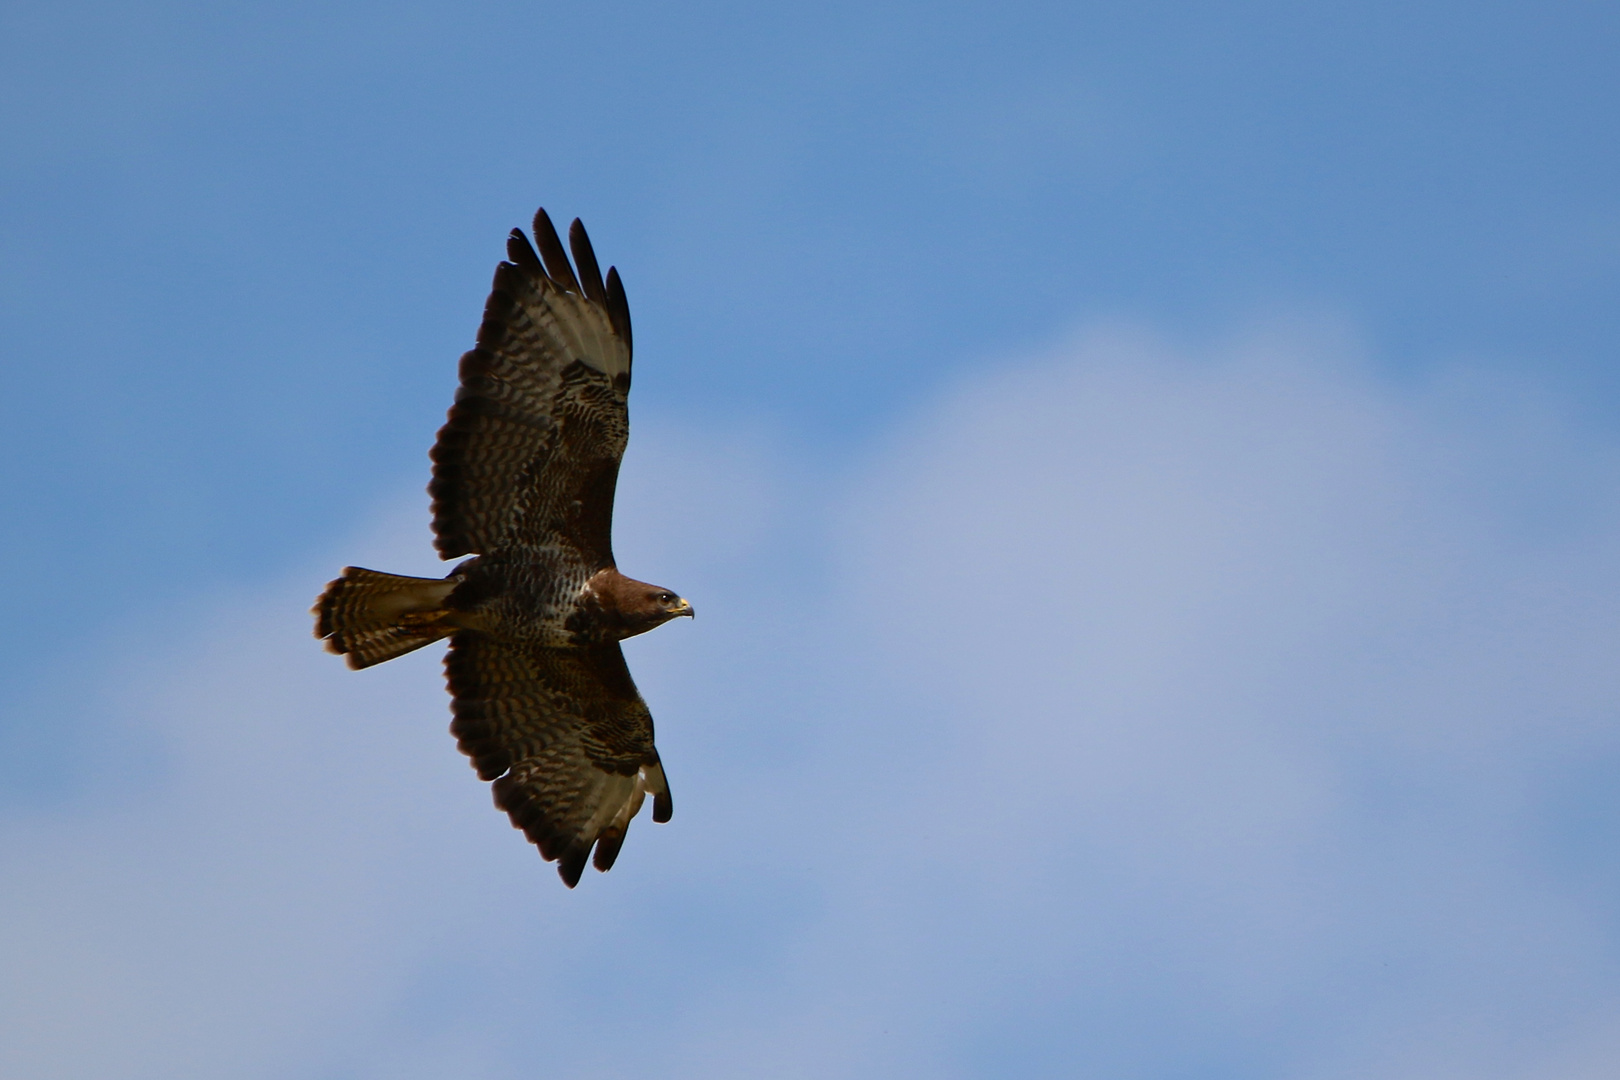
x,y
1148,473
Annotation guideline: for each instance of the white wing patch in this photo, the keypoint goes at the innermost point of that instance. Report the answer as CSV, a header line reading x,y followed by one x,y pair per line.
x,y
580,329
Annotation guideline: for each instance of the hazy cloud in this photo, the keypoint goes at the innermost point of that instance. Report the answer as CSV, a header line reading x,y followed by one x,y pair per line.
x,y
1135,710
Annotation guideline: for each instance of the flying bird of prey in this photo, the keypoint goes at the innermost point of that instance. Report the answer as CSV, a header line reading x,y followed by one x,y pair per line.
x,y
524,472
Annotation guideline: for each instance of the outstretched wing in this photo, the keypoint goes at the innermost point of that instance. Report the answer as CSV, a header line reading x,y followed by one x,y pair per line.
x,y
530,452
566,739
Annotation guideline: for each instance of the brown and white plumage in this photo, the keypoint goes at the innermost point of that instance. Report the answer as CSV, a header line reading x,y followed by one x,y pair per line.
x,y
566,739
524,472
530,452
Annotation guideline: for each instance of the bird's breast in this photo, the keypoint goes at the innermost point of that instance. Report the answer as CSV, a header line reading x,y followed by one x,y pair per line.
x,y
528,595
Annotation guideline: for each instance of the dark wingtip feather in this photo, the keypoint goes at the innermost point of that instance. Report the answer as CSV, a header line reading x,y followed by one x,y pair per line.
x,y
590,274
570,867
618,307
520,252
551,250
663,807
607,850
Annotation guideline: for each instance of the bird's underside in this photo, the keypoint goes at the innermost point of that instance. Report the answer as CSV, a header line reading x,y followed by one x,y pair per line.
x,y
524,472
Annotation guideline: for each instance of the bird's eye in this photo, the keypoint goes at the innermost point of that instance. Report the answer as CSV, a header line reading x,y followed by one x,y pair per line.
x,y
666,598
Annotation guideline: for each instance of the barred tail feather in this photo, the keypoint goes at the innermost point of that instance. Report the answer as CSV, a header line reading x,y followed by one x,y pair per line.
x,y
368,617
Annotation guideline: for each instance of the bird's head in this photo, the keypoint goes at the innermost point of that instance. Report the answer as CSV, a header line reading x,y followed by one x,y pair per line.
x,y
665,604
647,606
629,607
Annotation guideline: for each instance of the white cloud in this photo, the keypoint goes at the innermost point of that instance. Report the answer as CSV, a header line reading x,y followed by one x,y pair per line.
x,y
1233,713
1263,680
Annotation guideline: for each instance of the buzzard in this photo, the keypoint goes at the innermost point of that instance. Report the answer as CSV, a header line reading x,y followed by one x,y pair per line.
x,y
524,472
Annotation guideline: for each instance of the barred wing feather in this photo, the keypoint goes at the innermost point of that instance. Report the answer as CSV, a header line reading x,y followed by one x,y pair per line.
x,y
565,737
529,454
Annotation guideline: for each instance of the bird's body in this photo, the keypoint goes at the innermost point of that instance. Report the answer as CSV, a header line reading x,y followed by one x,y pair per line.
x,y
524,474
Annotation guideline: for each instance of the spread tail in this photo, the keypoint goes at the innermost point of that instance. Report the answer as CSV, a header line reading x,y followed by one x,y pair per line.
x,y
369,617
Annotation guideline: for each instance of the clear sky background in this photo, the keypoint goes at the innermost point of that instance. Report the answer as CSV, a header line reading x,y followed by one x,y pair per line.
x,y
1149,475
